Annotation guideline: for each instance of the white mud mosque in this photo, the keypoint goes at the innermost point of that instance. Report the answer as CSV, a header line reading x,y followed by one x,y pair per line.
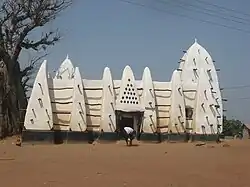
x,y
69,107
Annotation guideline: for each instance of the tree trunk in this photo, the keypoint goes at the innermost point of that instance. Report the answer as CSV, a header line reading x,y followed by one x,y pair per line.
x,y
12,99
1,101
17,100
3,81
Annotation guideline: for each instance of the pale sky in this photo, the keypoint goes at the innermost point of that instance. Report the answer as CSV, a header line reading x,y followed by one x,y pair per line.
x,y
99,33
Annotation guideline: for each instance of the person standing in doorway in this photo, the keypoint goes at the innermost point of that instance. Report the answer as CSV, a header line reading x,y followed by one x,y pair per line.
x,y
129,135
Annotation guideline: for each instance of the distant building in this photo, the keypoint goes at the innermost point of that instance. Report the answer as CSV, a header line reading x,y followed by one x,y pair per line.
x,y
190,103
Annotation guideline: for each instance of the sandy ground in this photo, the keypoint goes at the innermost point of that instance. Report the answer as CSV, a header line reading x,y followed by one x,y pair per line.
x,y
115,165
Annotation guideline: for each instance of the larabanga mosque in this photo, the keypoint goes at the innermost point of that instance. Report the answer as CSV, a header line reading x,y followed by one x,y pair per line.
x,y
68,107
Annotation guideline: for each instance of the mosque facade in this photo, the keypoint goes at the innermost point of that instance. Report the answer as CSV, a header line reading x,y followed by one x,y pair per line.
x,y
189,104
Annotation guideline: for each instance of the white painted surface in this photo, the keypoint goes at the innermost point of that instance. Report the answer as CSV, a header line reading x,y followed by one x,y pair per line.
x,y
66,70
128,99
205,119
177,110
78,121
163,103
93,93
195,62
148,100
61,95
39,112
108,119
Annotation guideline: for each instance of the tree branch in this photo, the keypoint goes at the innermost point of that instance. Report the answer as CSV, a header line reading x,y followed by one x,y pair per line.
x,y
28,70
46,40
21,17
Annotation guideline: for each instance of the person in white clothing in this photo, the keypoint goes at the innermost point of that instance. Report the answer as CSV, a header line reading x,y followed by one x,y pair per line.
x,y
129,135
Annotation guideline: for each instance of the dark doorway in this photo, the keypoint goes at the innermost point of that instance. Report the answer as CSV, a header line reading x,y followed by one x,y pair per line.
x,y
126,122
129,119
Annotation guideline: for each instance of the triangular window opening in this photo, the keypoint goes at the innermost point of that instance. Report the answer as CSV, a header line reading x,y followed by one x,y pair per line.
x,y
129,95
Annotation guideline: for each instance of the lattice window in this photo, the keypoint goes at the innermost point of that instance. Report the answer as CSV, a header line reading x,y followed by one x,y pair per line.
x,y
129,95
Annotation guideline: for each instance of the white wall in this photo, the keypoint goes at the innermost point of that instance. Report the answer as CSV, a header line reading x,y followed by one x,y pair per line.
x,y
197,64
79,104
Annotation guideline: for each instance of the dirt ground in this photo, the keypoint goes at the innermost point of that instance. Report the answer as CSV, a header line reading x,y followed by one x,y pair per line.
x,y
114,165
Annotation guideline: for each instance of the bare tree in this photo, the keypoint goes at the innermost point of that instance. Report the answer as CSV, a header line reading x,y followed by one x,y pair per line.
x,y
27,73
18,19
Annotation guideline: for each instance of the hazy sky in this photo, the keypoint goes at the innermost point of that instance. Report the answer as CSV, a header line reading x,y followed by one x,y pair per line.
x,y
99,33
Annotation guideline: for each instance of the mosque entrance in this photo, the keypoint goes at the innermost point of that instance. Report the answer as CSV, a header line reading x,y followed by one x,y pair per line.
x,y
129,119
